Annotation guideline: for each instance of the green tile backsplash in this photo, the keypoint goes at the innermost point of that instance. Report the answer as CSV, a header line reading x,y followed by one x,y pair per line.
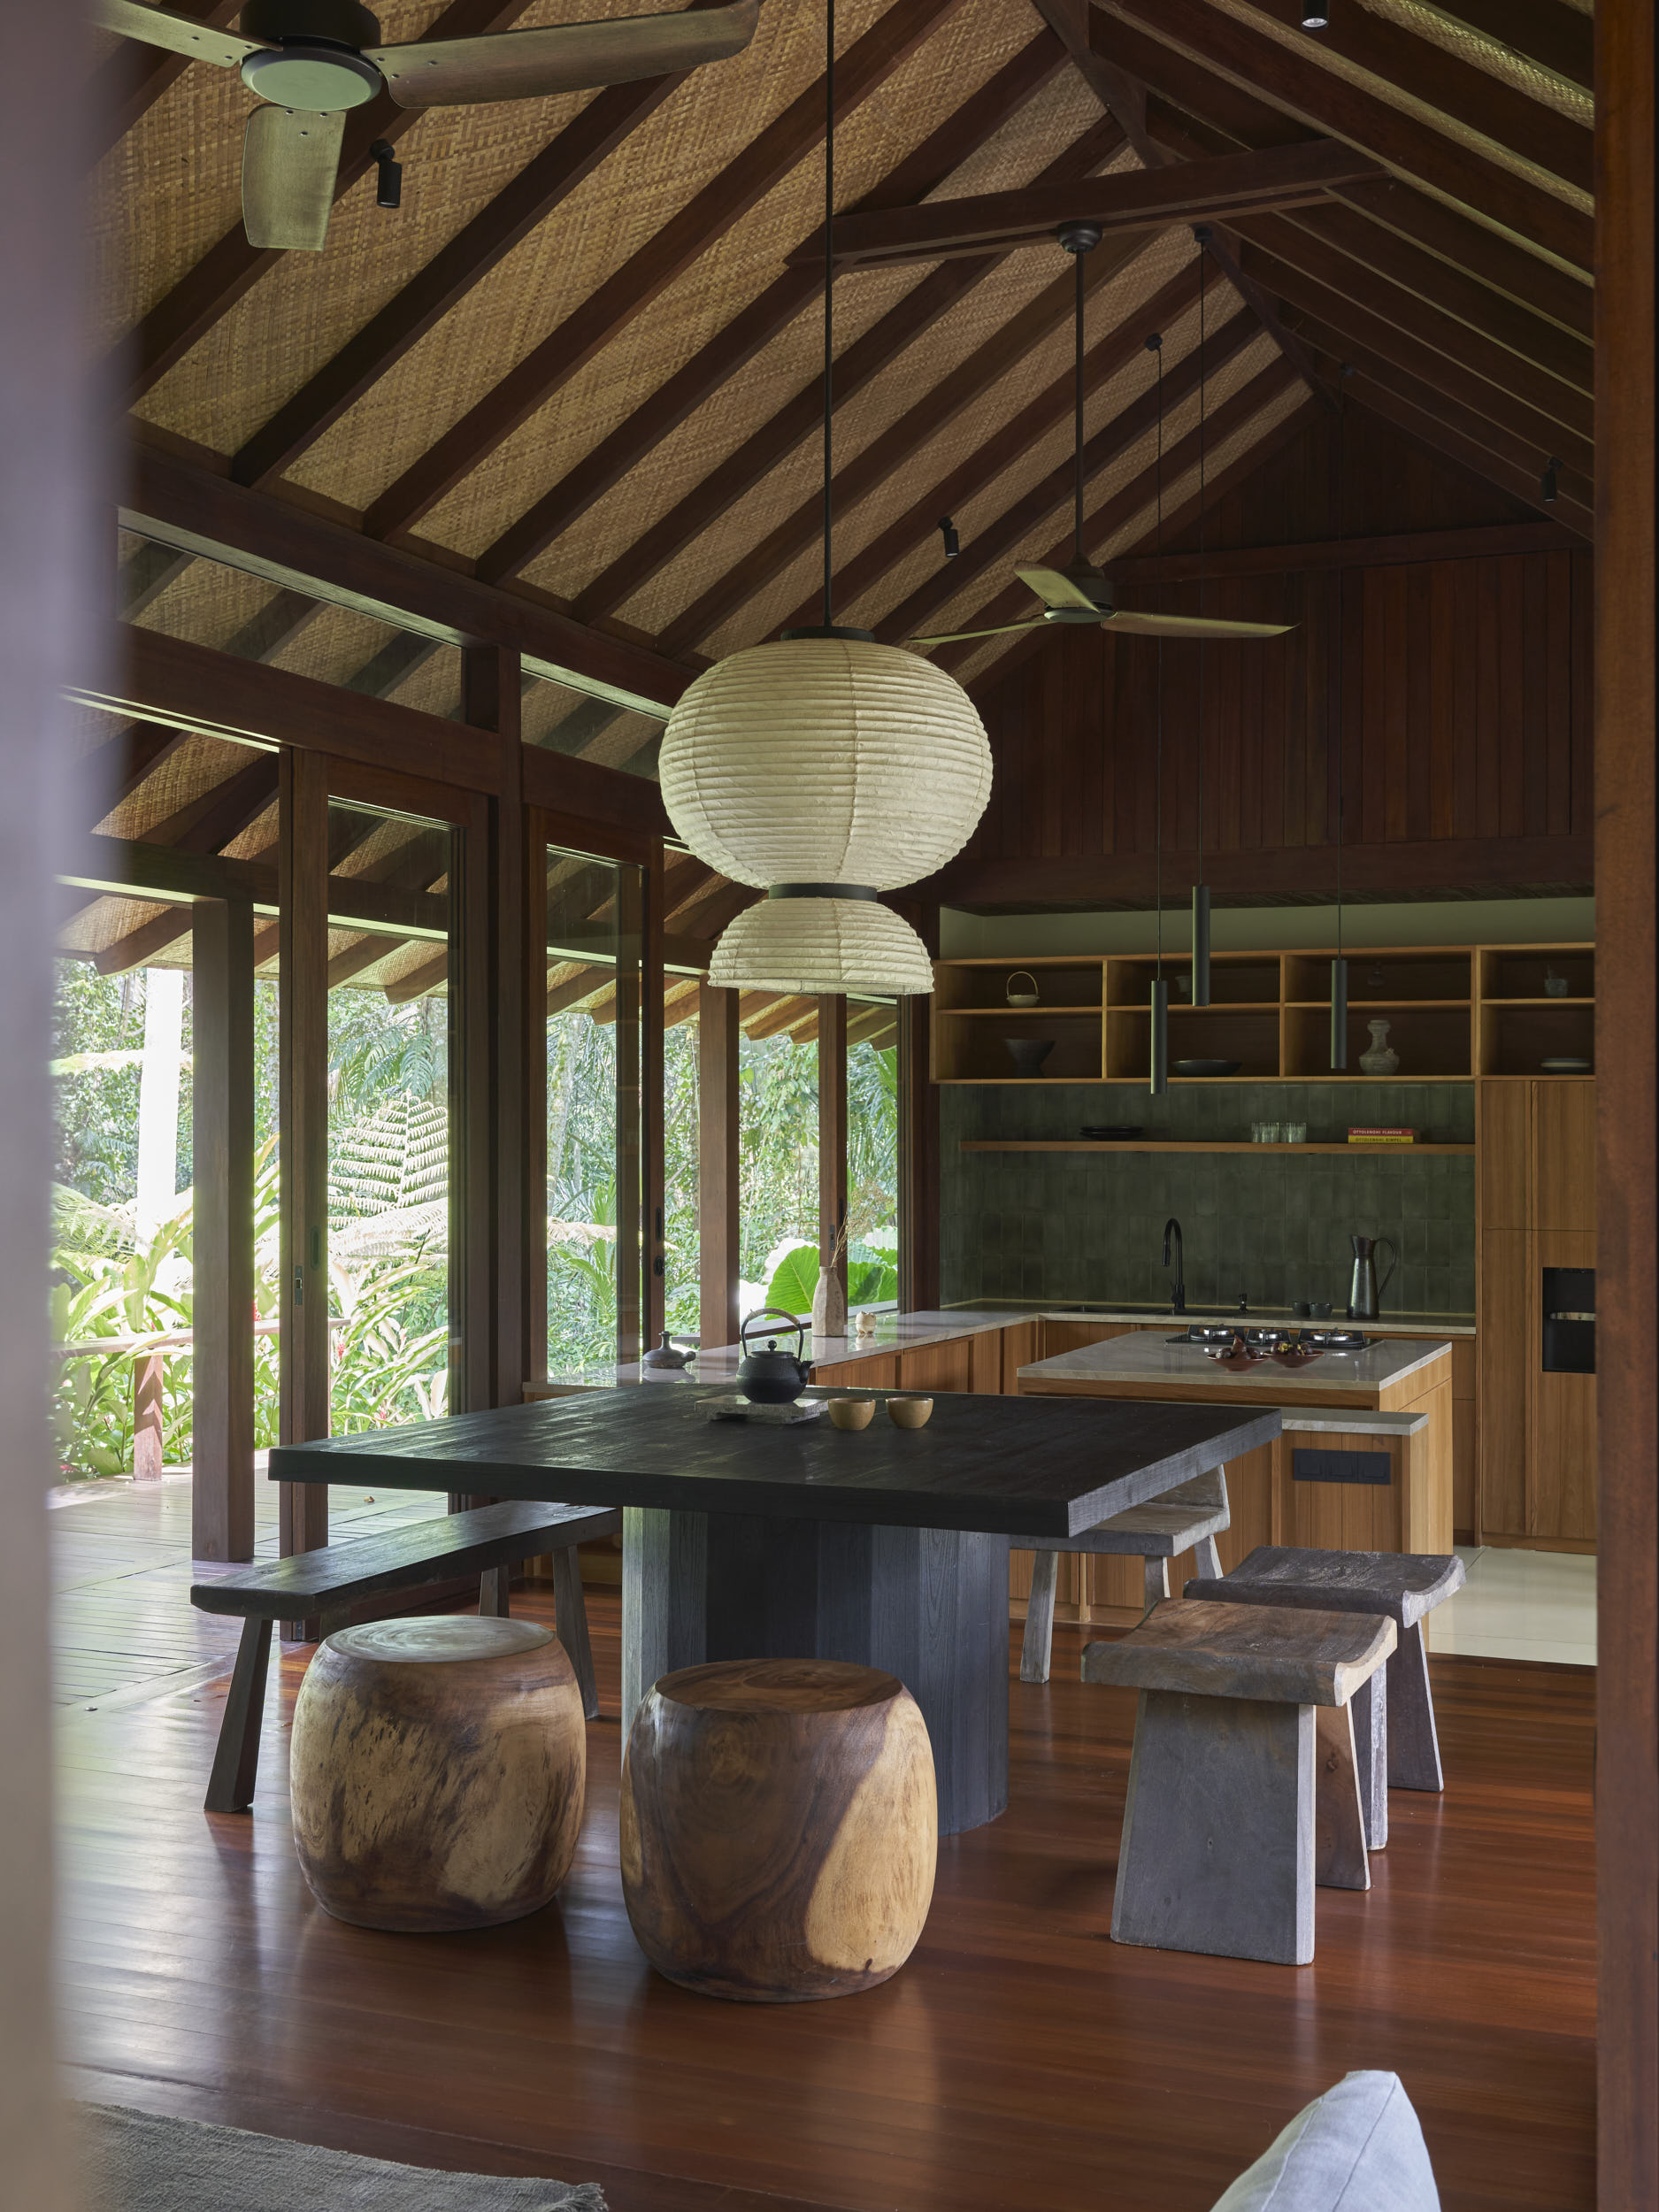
x,y
1089,1225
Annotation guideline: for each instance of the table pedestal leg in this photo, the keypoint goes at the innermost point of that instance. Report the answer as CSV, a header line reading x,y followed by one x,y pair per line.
x,y
928,1605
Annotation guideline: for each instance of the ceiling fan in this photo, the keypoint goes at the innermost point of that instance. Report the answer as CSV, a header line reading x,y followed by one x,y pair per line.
x,y
313,59
1079,592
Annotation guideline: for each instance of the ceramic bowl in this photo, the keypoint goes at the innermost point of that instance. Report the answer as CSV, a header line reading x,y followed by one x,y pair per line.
x,y
910,1413
851,1413
1028,1053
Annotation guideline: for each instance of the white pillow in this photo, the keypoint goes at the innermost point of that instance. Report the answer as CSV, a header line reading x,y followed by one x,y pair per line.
x,y
1358,2148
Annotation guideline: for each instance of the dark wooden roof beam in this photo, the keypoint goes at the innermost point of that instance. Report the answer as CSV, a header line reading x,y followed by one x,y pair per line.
x,y
1215,190
731,349
145,574
549,365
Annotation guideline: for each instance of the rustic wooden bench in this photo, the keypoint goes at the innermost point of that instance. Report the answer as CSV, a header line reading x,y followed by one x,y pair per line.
x,y
1187,1518
1243,1793
327,1584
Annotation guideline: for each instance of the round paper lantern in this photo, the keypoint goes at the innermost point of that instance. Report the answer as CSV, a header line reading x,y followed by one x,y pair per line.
x,y
821,947
826,761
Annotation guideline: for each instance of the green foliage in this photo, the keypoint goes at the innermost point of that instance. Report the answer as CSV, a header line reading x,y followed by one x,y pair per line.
x,y
794,1282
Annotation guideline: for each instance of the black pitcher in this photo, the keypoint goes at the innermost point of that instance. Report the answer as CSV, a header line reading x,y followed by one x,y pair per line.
x,y
1364,1296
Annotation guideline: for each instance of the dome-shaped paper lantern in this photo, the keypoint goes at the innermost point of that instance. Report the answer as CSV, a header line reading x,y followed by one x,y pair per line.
x,y
820,948
824,760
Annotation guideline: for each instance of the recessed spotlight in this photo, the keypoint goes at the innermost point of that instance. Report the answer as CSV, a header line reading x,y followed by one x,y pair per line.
x,y
1314,17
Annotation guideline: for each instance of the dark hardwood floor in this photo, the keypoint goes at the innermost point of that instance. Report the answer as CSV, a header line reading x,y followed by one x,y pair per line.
x,y
1021,2059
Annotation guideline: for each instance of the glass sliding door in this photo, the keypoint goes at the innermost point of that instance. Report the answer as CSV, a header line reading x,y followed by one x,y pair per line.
x,y
778,1162
596,1240
872,1153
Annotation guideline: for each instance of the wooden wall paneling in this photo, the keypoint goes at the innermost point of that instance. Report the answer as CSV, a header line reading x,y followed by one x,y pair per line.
x,y
1505,1341
302,1115
718,1224
1627,1060
832,1129
1504,1154
222,1154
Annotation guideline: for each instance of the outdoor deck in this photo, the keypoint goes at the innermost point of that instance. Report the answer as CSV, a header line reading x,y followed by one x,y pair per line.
x,y
1020,2059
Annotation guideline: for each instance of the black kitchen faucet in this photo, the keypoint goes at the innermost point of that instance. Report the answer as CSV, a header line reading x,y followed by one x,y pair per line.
x,y
1178,1296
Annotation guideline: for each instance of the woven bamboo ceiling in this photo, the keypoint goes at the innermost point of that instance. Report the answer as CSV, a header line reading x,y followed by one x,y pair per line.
x,y
579,364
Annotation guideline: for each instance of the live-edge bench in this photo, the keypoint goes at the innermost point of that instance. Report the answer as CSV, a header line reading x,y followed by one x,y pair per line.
x,y
489,1541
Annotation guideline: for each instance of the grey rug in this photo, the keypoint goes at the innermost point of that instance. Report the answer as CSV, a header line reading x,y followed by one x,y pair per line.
x,y
135,2163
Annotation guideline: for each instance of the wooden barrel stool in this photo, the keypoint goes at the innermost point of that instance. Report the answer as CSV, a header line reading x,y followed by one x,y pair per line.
x,y
1242,1788
436,1771
780,1828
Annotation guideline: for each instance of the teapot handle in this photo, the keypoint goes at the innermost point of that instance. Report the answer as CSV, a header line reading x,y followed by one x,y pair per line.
x,y
777,1313
1394,1262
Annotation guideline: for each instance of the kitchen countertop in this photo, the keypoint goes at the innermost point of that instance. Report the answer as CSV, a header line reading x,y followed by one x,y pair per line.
x,y
1149,1359
1389,1325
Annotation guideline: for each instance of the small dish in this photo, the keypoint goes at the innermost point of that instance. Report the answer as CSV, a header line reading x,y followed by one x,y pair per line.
x,y
910,1413
1205,1067
1113,1132
851,1413
1565,1067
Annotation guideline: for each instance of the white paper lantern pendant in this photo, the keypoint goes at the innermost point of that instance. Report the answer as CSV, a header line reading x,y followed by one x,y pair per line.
x,y
825,769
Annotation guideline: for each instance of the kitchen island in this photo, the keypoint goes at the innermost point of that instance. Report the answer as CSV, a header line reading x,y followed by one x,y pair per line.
x,y
1364,1460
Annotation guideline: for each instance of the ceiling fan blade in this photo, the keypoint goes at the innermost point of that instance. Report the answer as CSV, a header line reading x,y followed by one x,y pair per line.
x,y
956,637
1191,625
561,57
288,160
179,34
1055,588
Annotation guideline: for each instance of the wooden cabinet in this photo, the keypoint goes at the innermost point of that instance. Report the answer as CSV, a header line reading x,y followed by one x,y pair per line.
x,y
1537,1197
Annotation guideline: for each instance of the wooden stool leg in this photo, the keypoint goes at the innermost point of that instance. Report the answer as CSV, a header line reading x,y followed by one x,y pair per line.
x,y
1218,1844
236,1758
1206,1559
569,1612
1414,1749
1156,1582
1037,1645
495,1594
1370,1708
1340,1859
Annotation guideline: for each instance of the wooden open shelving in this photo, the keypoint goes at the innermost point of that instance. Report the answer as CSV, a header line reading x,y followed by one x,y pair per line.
x,y
1456,1012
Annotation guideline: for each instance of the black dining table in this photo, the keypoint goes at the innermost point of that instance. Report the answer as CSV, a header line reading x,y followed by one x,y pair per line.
x,y
884,1546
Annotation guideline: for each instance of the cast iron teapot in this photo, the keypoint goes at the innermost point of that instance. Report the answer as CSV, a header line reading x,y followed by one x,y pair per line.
x,y
772,1378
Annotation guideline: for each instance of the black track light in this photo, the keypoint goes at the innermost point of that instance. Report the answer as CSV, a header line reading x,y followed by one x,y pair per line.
x,y
947,531
1551,485
1315,15
388,190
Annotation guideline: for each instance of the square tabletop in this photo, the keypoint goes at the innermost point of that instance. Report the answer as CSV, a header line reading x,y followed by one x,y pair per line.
x,y
1004,1466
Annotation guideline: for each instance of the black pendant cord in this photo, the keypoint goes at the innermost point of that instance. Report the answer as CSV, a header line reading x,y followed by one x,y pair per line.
x,y
1159,1069
1338,965
1201,889
829,296
1076,413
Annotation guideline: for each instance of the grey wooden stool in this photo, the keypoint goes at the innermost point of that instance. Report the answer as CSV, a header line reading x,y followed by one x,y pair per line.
x,y
1394,1725
1243,1789
1189,1518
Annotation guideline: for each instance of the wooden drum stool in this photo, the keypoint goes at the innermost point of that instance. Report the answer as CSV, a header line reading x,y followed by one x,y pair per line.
x,y
436,1772
1242,1788
780,1826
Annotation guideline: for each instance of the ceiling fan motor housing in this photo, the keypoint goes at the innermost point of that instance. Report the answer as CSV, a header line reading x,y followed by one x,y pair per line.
x,y
315,64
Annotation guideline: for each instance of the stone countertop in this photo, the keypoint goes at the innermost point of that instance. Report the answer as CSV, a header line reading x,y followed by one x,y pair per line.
x,y
1461,1324
1147,1359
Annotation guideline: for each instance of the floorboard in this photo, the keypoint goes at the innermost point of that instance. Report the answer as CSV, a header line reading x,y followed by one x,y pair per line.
x,y
1020,2059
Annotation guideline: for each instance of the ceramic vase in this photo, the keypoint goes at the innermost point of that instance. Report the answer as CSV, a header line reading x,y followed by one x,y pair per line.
x,y
829,1304
1382,1059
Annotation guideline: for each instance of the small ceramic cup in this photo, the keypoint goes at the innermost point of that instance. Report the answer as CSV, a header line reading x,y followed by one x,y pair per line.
x,y
851,1413
910,1413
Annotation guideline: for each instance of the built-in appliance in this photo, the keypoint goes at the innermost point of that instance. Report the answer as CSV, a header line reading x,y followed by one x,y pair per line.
x,y
1568,1302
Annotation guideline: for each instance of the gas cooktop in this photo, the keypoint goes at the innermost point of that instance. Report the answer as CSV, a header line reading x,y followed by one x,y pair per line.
x,y
1271,1338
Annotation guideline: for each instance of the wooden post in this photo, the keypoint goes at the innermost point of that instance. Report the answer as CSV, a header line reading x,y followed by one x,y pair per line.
x,y
918,1143
832,1129
1627,1070
653,1163
717,1223
147,1417
222,1147
471,1132
303,1090
630,1109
